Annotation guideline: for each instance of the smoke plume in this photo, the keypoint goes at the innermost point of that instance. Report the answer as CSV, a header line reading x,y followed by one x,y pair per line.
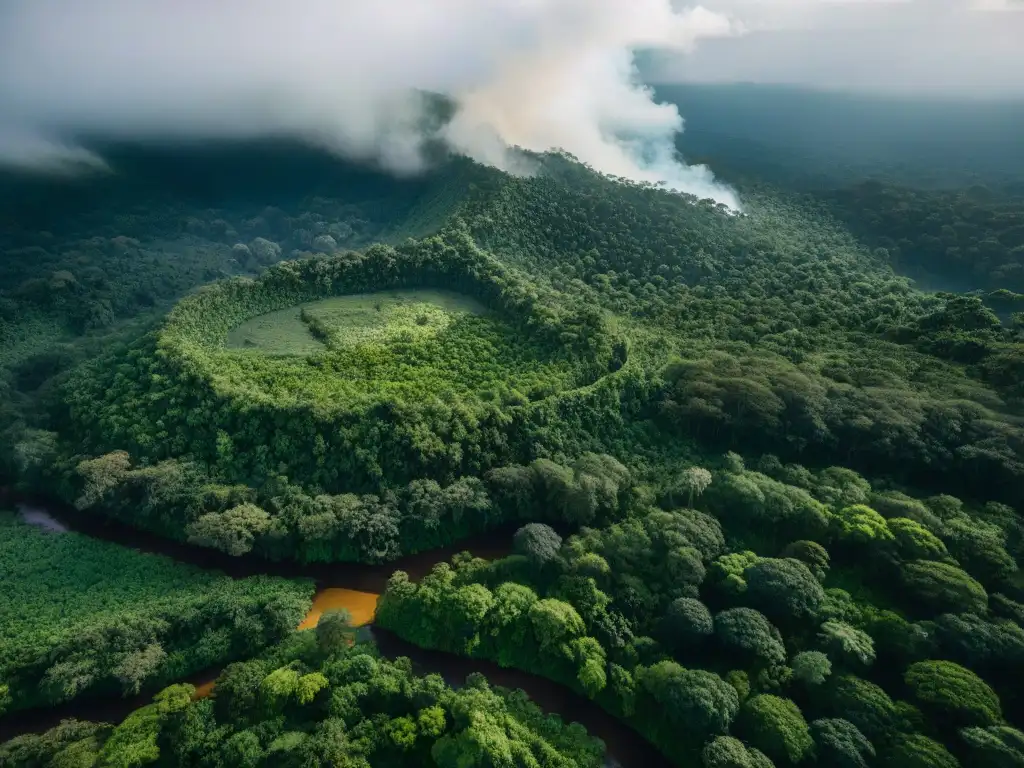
x,y
539,74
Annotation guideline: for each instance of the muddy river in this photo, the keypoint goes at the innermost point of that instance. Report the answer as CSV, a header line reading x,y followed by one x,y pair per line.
x,y
355,587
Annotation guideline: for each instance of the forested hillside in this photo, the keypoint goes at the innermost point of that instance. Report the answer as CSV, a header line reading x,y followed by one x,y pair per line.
x,y
766,465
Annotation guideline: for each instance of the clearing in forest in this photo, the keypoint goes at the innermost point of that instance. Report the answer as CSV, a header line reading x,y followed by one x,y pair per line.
x,y
355,319
415,341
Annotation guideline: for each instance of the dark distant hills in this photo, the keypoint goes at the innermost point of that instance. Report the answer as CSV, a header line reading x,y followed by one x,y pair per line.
x,y
809,138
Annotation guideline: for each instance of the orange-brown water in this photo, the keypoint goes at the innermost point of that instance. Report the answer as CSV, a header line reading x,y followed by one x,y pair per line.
x,y
623,742
361,605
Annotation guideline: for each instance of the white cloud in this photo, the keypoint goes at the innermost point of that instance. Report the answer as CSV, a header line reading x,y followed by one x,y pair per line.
x,y
997,5
534,73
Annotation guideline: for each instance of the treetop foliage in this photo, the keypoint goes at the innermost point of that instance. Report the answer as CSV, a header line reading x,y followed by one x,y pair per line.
x,y
767,489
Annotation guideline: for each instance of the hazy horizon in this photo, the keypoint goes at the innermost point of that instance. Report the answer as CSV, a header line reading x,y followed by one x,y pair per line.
x,y
917,48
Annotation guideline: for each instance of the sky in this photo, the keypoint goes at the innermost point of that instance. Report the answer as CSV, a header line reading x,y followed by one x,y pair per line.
x,y
957,48
347,75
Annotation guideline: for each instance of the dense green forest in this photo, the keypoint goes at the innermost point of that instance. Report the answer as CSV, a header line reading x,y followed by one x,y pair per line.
x,y
770,604
313,700
766,465
81,617
282,521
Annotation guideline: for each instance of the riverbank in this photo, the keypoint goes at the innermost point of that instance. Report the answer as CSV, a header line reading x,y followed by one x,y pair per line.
x,y
362,577
339,585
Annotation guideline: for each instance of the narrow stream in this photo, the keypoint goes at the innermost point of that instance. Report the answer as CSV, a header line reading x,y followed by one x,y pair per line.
x,y
339,585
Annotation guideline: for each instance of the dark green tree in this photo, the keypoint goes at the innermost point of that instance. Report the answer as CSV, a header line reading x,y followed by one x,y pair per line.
x,y
838,743
776,726
953,695
686,625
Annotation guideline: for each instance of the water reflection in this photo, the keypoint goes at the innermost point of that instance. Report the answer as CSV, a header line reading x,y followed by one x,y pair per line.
x,y
40,518
361,605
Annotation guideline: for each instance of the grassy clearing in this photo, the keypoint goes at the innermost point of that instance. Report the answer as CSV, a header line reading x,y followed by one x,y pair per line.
x,y
354,319
276,333
400,343
415,353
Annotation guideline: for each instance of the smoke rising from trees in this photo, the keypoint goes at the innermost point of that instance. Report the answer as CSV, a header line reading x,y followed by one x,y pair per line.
x,y
540,74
